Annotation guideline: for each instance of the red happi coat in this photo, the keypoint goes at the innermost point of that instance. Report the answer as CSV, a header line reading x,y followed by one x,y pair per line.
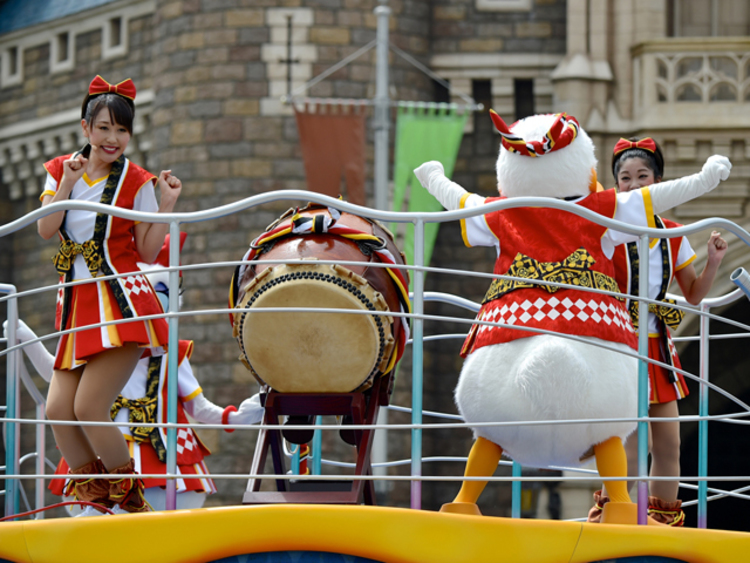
x,y
551,235
133,293
190,449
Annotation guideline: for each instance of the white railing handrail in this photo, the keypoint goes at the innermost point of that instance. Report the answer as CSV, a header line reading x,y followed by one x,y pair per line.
x,y
386,216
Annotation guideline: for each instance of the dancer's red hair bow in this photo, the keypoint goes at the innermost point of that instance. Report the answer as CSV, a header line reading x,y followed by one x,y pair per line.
x,y
563,131
647,144
126,88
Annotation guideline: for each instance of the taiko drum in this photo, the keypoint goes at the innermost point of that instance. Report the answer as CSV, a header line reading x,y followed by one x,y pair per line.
x,y
295,350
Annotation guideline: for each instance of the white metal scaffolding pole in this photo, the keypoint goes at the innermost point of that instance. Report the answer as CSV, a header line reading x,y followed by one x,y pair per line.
x,y
381,120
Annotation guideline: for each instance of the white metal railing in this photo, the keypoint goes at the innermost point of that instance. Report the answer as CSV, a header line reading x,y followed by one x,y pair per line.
x,y
417,317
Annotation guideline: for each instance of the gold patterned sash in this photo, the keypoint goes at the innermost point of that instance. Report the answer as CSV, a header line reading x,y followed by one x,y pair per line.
x,y
91,251
574,270
142,410
668,315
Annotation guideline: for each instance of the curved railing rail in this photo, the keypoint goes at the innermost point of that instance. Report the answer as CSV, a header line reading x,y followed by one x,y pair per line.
x,y
417,318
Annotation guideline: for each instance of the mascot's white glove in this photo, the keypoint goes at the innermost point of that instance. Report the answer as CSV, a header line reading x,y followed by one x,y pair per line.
x,y
667,195
43,361
432,177
203,410
250,412
428,169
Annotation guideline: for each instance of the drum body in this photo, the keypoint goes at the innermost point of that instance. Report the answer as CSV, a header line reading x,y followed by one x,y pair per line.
x,y
295,351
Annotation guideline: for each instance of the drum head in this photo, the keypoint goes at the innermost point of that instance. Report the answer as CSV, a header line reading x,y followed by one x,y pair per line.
x,y
313,352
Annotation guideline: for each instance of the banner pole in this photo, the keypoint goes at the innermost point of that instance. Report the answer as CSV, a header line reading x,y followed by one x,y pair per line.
x,y
381,120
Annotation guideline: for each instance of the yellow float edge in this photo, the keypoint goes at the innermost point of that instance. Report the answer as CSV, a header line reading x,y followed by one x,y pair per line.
x,y
389,535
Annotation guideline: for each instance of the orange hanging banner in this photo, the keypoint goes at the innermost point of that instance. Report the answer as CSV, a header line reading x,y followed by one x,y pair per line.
x,y
333,146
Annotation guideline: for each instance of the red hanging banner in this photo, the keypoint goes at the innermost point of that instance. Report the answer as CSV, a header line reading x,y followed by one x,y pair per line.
x,y
333,145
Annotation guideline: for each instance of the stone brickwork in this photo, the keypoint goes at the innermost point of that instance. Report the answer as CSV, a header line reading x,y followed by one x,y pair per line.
x,y
462,27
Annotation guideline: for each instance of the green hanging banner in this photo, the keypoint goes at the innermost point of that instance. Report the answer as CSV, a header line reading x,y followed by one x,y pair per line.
x,y
421,135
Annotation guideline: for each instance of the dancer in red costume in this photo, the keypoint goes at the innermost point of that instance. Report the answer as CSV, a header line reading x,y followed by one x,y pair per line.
x,y
638,163
146,387
143,400
93,364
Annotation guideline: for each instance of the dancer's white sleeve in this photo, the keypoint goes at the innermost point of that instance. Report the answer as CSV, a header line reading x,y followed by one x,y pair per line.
x,y
203,410
666,195
41,359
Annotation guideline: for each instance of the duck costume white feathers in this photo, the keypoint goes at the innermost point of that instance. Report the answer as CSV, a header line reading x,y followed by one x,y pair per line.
x,y
521,374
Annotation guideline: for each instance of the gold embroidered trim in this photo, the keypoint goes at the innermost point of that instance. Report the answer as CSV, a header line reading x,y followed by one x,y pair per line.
x,y
574,270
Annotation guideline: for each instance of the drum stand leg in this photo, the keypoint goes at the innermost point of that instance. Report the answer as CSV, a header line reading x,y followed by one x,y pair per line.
x,y
350,491
268,439
364,439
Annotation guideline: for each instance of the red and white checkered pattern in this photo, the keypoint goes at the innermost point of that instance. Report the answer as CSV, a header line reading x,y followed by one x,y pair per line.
x,y
554,308
672,349
136,284
59,306
185,441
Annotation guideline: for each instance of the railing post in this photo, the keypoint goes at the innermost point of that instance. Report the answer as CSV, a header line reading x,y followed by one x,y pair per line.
x,y
172,364
703,424
417,331
516,490
12,430
380,450
643,403
317,448
40,460
296,450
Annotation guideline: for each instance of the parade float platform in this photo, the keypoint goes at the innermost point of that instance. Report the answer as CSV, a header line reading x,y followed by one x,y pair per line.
x,y
357,534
